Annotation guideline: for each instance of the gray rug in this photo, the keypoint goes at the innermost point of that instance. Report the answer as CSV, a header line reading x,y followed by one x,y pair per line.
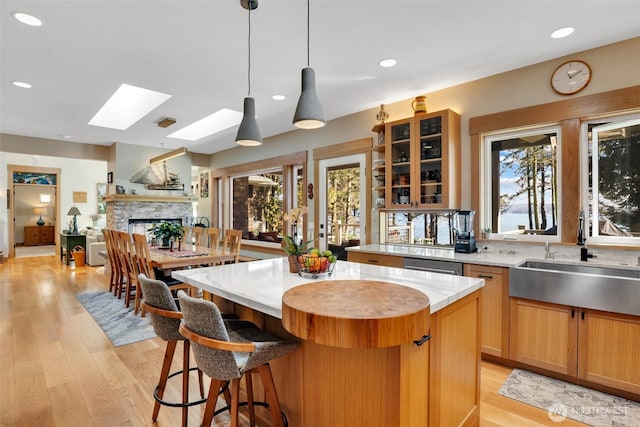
x,y
563,400
120,324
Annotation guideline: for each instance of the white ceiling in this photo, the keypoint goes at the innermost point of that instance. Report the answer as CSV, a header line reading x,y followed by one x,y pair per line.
x,y
197,52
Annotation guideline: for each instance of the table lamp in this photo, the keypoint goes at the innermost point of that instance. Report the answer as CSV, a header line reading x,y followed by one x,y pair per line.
x,y
40,211
74,211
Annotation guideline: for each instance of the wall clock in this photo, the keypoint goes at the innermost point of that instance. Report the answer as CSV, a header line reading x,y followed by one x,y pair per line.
x,y
571,77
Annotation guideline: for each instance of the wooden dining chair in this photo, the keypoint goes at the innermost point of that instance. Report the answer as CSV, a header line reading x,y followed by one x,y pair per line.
x,y
198,236
115,275
231,242
145,266
213,234
126,255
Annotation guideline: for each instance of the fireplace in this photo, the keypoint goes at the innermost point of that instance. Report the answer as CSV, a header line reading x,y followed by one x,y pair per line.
x,y
141,225
137,212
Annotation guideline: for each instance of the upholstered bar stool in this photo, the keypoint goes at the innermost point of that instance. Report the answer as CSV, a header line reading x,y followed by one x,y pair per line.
x,y
228,351
165,318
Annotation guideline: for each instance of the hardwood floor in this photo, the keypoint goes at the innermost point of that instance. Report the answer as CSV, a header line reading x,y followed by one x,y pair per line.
x,y
57,368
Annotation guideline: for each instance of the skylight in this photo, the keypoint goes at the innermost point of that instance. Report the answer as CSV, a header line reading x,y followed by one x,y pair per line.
x,y
126,106
216,122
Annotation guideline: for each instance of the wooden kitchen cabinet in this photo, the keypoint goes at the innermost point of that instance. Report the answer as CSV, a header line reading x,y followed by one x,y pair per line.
x,y
375,259
544,335
39,235
609,349
494,309
600,347
422,159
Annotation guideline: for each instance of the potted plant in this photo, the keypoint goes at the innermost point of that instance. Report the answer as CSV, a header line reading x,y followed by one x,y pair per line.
x,y
165,231
293,245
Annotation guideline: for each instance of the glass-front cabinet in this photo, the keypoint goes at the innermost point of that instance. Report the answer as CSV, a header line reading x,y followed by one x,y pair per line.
x,y
423,161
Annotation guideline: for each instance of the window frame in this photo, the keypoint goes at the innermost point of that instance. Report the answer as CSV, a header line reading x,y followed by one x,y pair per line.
x,y
612,121
485,212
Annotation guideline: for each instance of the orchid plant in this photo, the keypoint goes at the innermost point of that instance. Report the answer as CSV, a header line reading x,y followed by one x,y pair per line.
x,y
293,244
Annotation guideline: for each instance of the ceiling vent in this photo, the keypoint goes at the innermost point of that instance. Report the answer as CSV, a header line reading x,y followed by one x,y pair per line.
x,y
166,122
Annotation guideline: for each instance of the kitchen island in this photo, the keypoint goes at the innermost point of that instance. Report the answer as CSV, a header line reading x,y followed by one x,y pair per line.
x,y
436,383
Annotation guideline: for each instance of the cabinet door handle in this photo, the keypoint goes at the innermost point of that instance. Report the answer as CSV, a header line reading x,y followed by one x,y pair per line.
x,y
583,315
573,312
484,276
422,340
374,261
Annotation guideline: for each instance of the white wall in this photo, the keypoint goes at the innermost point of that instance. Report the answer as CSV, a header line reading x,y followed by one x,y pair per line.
x,y
76,175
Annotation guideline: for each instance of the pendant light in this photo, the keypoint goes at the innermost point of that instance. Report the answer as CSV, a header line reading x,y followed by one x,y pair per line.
x,y
248,132
309,113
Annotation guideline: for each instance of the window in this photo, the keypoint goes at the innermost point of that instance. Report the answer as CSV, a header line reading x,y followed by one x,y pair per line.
x,y
611,180
522,183
258,205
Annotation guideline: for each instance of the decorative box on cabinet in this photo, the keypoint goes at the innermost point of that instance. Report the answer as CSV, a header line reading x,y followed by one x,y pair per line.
x,y
422,156
39,235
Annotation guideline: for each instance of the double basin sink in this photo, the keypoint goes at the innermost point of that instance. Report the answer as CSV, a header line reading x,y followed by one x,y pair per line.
x,y
589,286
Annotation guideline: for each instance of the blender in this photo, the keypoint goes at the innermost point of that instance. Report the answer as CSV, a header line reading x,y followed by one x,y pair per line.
x,y
465,241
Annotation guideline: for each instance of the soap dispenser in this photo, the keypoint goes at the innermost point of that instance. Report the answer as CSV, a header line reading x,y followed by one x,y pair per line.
x,y
581,239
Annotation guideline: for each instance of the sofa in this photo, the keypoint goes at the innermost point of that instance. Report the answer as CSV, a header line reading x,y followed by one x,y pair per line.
x,y
95,244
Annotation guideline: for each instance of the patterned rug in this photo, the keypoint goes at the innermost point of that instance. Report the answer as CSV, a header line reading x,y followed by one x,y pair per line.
x,y
118,322
563,400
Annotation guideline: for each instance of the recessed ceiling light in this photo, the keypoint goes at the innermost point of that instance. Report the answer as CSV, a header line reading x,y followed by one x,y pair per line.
x,y
126,106
279,97
25,18
387,62
562,32
23,85
216,122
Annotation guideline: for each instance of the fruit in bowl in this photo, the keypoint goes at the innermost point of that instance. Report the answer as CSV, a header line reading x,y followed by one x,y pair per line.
x,y
316,262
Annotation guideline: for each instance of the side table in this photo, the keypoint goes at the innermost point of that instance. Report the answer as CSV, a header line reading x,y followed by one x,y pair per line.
x,y
70,241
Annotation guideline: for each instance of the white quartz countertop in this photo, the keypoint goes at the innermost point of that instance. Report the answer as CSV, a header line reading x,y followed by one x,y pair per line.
x,y
260,284
509,256
502,258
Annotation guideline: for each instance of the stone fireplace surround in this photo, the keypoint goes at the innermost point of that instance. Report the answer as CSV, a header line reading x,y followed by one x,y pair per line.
x,y
122,208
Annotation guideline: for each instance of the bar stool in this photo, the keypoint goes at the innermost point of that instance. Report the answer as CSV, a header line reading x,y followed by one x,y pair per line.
x,y
228,351
165,318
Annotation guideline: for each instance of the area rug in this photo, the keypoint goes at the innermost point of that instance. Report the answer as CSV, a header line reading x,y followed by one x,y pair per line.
x,y
118,322
563,400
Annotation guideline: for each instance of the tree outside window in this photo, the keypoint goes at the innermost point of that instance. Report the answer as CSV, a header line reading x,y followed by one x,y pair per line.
x,y
524,187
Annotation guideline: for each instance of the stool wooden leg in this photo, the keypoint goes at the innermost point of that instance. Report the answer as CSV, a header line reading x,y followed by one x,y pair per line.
x,y
164,375
235,398
252,415
212,399
185,382
272,396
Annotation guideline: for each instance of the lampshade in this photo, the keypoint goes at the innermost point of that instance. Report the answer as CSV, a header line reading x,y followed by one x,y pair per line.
x,y
74,211
309,114
248,132
40,211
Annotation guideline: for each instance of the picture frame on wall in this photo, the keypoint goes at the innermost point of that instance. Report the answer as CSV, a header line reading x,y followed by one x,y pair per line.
x,y
102,191
204,185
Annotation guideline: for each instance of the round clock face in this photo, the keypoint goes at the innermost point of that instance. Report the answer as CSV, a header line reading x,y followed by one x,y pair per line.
x,y
571,77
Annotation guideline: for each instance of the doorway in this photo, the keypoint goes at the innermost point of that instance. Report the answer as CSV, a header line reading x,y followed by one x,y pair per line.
x,y
33,210
342,203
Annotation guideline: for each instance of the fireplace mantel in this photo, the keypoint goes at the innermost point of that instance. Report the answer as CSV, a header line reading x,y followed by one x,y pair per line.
x,y
148,198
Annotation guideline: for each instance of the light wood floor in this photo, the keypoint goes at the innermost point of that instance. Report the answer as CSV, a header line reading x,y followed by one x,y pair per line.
x,y
57,368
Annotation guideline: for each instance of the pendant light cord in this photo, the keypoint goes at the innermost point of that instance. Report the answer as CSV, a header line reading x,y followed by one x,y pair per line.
x,y
308,31
249,59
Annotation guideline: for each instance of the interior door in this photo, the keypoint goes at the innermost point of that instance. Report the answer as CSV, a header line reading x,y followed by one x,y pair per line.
x,y
342,201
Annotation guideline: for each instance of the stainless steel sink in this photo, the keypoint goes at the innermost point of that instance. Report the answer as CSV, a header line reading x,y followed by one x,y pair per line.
x,y
589,286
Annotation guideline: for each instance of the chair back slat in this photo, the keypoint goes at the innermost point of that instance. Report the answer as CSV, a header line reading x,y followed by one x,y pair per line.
x,y
213,234
231,242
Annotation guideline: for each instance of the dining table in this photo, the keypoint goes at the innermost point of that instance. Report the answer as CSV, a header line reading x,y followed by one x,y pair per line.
x,y
188,256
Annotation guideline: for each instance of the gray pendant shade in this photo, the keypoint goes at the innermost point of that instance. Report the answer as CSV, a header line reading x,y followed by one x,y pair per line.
x,y
309,114
248,132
